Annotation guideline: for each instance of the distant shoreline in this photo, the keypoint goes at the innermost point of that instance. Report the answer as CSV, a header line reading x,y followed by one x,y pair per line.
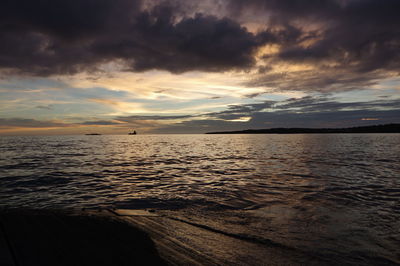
x,y
387,128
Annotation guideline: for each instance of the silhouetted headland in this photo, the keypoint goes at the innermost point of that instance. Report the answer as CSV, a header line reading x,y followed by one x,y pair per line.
x,y
388,128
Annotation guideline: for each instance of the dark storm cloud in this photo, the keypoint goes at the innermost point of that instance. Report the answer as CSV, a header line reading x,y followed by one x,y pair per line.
x,y
70,19
362,34
283,8
45,37
60,37
199,43
352,43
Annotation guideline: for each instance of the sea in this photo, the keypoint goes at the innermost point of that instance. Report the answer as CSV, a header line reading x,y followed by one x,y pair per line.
x,y
335,196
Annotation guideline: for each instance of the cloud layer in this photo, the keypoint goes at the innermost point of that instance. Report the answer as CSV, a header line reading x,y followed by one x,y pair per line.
x,y
68,36
306,111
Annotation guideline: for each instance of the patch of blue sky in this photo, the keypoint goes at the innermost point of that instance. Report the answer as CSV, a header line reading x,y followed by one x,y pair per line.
x,y
81,111
51,104
391,83
55,111
31,83
89,93
53,87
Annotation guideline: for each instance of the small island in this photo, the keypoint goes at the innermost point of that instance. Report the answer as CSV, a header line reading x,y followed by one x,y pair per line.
x,y
388,128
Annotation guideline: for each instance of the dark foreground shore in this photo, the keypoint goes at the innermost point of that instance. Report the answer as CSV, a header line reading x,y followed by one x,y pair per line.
x,y
32,237
131,237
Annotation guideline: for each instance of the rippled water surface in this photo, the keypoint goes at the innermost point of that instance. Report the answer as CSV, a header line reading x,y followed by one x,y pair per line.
x,y
333,195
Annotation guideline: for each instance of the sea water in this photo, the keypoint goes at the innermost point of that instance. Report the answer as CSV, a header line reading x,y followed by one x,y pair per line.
x,y
335,196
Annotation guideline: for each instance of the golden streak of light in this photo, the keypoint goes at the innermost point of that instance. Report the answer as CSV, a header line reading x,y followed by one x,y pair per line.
x,y
241,119
269,49
126,107
153,85
369,119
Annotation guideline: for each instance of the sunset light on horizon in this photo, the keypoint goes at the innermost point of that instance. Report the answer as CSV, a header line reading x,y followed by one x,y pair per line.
x,y
73,67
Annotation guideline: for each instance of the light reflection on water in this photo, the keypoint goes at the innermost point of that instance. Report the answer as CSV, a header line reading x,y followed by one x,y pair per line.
x,y
335,194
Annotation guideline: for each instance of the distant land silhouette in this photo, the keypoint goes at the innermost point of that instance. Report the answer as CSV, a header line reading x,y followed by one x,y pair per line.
x,y
388,128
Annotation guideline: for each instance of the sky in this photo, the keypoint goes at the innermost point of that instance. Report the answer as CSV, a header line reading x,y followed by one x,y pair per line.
x,y
179,66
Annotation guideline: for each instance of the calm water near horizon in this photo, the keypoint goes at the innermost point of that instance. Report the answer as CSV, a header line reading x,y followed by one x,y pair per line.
x,y
329,195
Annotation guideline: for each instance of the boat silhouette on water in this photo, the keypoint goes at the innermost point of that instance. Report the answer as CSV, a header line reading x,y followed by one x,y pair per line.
x,y
132,133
